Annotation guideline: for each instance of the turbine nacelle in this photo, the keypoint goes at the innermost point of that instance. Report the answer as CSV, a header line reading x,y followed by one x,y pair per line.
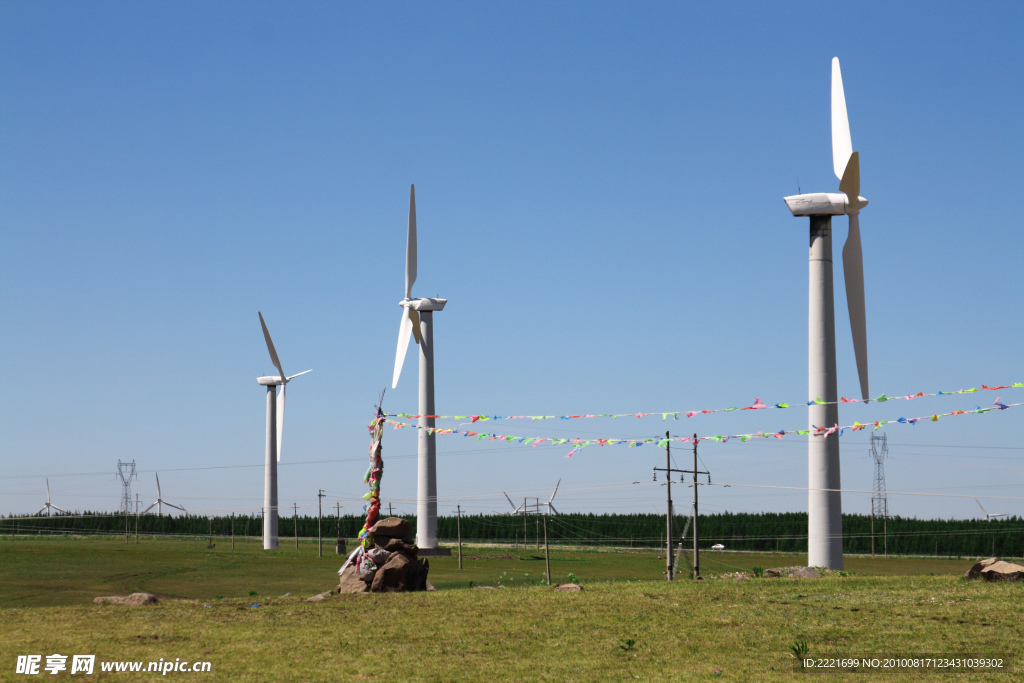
x,y
823,204
425,304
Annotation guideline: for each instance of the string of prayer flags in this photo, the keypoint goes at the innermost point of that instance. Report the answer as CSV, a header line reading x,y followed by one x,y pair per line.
x,y
674,414
661,442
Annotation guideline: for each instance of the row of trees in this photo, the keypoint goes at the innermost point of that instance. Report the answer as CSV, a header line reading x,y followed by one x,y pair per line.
x,y
783,532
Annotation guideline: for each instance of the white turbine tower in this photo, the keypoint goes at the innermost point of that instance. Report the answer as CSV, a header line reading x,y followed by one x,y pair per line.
x,y
824,504
275,430
160,502
50,505
418,322
987,515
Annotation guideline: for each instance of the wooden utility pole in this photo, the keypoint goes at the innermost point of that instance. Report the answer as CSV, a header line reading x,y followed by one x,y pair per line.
x,y
209,543
668,516
295,523
319,523
458,509
136,519
696,548
547,558
232,530
668,470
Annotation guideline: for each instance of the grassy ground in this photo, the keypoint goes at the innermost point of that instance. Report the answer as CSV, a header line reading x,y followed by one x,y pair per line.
x,y
634,626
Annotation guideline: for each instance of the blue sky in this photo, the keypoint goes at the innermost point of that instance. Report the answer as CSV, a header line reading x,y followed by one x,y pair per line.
x,y
599,192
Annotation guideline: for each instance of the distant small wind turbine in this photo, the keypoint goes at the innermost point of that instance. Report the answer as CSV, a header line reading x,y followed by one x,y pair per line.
x,y
987,515
49,505
160,502
275,430
522,509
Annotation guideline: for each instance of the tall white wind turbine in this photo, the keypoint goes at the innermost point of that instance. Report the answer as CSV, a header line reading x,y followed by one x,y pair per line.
x,y
50,505
160,502
275,430
417,322
824,505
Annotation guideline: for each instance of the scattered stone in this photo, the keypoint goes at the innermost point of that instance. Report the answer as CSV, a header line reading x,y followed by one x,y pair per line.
x,y
741,577
395,527
287,595
480,588
975,571
133,600
112,599
1003,571
806,573
569,588
778,572
319,597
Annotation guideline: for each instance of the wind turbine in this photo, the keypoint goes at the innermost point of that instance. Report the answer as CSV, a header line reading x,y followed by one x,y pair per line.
x,y
987,515
418,322
536,506
275,430
160,502
49,505
824,505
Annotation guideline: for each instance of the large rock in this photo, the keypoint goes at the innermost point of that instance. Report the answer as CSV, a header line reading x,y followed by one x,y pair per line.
x,y
133,600
394,527
350,582
398,545
569,588
975,571
1003,571
394,575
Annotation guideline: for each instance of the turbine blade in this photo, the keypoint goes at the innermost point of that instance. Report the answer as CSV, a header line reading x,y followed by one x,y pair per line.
x,y
65,511
45,507
981,506
850,183
510,502
172,505
410,245
853,271
842,146
158,494
289,379
270,347
47,490
553,509
554,492
404,332
280,420
414,315
149,508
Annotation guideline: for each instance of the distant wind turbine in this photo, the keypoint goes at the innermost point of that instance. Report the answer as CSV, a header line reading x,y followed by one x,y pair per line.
x,y
987,515
160,502
418,322
49,505
275,431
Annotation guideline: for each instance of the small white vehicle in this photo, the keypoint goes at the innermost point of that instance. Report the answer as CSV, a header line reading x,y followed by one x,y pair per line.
x,y
718,546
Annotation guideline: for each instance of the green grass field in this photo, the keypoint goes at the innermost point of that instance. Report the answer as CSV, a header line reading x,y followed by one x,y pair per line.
x,y
627,624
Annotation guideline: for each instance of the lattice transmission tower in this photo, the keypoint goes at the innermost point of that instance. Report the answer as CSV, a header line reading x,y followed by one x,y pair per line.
x,y
879,500
879,452
126,473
